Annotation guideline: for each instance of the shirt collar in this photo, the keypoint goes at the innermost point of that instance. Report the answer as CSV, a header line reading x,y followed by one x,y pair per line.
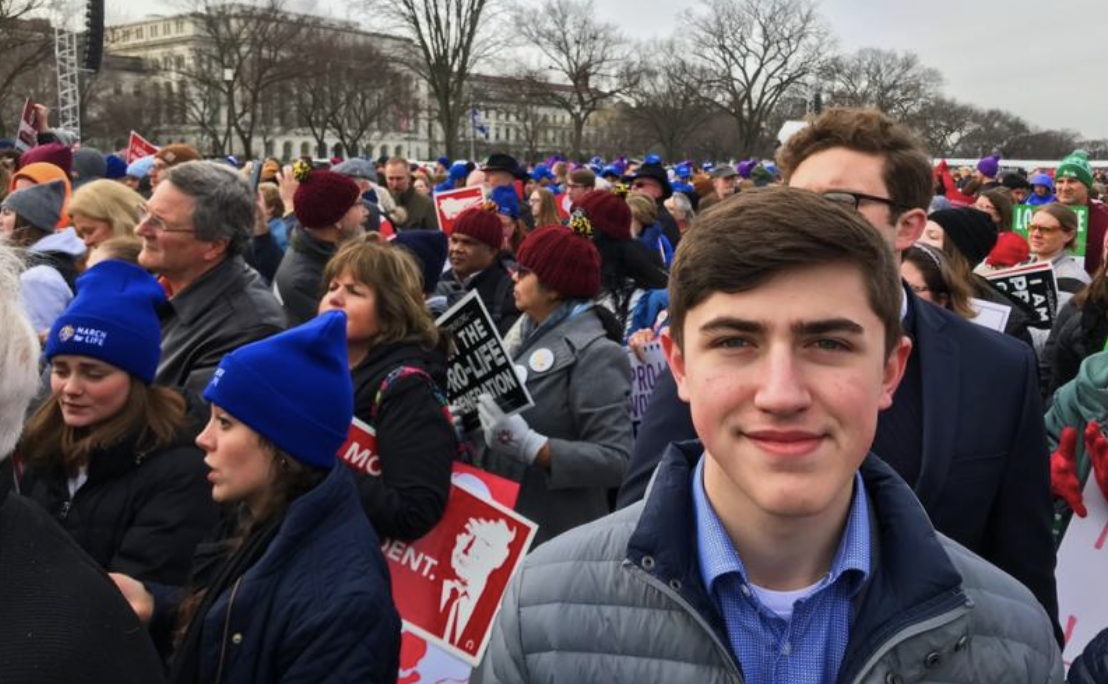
x,y
717,556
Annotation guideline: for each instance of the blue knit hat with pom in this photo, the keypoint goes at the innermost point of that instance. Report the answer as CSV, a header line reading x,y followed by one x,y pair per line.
x,y
293,389
113,318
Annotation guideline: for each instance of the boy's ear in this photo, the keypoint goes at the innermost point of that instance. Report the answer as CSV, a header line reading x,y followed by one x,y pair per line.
x,y
676,359
895,366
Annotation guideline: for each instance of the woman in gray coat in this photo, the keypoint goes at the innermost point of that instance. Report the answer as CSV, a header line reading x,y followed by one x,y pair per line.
x,y
572,446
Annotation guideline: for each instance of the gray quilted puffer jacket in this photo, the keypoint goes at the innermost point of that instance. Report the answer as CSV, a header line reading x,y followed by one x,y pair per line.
x,y
621,600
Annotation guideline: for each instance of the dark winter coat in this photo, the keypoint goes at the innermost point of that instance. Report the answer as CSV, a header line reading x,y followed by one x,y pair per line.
x,y
61,618
299,279
416,443
225,308
317,605
421,211
496,289
1078,332
140,514
1091,667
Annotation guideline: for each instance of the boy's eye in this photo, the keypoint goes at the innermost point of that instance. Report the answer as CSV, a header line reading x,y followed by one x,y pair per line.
x,y
831,345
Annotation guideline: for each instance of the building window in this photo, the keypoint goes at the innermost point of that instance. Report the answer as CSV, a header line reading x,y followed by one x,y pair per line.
x,y
286,151
153,30
180,26
305,149
138,33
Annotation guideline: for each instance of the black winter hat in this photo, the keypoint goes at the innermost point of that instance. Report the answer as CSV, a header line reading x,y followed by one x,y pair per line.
x,y
503,162
656,173
429,248
972,230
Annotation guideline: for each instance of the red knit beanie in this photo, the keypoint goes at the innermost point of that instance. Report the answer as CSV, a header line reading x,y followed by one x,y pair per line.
x,y
323,197
481,224
53,153
563,261
1010,249
608,213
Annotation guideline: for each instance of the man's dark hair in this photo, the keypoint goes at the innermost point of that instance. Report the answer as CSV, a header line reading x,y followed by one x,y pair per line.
x,y
225,204
739,245
907,172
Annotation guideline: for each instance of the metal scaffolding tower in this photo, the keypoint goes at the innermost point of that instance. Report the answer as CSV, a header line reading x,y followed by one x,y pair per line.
x,y
69,94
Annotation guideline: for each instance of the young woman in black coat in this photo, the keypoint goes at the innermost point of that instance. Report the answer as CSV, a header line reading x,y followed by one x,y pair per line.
x,y
109,455
398,365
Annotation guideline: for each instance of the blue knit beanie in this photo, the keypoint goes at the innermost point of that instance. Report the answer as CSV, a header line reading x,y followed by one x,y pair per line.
x,y
115,167
113,318
507,202
293,389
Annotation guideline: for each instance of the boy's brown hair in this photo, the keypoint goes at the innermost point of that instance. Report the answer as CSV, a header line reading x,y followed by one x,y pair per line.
x,y
739,245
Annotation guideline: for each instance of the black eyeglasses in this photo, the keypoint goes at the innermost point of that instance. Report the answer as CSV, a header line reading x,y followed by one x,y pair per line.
x,y
853,200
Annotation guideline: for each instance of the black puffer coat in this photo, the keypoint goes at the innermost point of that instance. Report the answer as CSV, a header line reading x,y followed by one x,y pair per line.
x,y
416,443
140,514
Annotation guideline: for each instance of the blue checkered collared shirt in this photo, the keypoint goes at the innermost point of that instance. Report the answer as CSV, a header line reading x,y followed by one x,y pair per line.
x,y
808,648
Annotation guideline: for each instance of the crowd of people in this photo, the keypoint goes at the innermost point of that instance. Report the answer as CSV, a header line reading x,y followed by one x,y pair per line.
x,y
843,474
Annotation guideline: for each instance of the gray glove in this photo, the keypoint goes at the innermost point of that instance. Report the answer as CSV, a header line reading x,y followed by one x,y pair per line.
x,y
508,435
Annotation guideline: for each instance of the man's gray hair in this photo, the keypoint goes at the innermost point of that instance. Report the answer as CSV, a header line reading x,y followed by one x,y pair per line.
x,y
225,204
19,351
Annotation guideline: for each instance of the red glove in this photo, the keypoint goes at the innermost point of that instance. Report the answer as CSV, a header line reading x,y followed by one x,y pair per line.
x,y
1063,471
1097,448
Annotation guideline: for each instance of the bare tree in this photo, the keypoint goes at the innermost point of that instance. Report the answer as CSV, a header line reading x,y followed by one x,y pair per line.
x,y
895,83
666,103
245,50
751,54
591,57
28,44
450,39
942,123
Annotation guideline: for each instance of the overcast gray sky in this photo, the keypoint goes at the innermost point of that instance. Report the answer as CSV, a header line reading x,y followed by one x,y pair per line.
x,y
1019,55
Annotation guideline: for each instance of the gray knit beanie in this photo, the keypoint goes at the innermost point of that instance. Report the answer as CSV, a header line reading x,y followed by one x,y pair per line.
x,y
38,205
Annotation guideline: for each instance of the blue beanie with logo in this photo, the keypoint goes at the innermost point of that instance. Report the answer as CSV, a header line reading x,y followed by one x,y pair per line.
x,y
113,318
507,202
294,389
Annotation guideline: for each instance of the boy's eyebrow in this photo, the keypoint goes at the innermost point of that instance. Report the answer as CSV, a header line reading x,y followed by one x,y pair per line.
x,y
807,328
827,325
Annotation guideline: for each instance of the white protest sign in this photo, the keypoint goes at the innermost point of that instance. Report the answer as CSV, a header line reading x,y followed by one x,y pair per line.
x,y
990,314
1082,561
644,375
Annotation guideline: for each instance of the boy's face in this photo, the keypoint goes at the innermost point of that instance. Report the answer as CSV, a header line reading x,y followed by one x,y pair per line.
x,y
785,383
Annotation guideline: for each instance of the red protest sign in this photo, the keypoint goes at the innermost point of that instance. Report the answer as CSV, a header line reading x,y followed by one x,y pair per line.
x,y
450,203
359,451
27,136
139,147
448,585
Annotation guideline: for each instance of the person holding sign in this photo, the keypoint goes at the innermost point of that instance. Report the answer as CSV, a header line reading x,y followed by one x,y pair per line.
x,y
1052,235
777,547
572,446
476,264
301,591
403,446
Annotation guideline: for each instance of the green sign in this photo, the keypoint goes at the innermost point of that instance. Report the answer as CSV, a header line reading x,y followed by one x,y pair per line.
x,y
1021,216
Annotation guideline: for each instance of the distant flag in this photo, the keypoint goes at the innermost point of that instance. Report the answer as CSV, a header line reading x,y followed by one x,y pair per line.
x,y
478,127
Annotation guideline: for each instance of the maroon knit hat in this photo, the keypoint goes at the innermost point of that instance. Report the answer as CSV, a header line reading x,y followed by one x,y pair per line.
x,y
53,153
563,261
323,197
608,213
481,224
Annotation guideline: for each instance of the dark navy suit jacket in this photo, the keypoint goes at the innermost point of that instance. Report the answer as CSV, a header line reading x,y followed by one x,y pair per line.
x,y
984,475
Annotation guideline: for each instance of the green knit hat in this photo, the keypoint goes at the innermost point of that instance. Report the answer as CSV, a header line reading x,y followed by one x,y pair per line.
x,y
1076,165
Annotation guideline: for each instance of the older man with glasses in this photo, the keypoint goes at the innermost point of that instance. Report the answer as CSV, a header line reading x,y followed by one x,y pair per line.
x,y
194,231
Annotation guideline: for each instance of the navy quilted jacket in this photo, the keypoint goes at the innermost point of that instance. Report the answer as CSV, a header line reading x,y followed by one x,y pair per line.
x,y
317,605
